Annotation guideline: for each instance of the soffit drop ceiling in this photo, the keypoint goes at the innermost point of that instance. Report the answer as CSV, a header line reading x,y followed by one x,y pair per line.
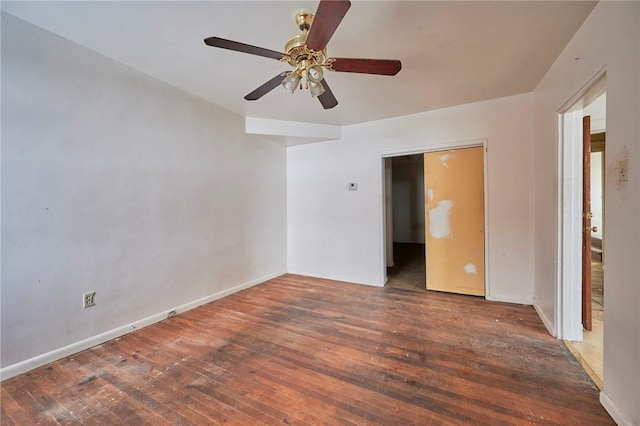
x,y
452,52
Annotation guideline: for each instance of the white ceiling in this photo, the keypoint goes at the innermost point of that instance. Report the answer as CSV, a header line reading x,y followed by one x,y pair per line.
x,y
452,52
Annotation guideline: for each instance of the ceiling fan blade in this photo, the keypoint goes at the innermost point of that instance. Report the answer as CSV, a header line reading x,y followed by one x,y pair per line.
x,y
241,47
326,20
367,66
266,88
327,99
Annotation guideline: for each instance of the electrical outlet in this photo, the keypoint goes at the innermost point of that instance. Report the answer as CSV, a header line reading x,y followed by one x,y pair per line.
x,y
89,299
353,186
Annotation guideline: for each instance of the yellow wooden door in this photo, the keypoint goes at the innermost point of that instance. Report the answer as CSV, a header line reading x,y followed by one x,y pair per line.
x,y
454,220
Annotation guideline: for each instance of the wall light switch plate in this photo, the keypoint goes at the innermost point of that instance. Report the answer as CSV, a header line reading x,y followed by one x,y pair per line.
x,y
623,170
353,186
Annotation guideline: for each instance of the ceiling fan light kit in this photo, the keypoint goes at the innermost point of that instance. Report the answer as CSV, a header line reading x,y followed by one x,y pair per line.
x,y
307,53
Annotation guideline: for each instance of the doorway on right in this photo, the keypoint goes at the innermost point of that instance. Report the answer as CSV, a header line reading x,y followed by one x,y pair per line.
x,y
590,352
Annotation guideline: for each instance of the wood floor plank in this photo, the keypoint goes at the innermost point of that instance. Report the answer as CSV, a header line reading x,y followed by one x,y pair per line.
x,y
215,372
104,398
202,383
298,350
63,389
12,412
399,387
126,383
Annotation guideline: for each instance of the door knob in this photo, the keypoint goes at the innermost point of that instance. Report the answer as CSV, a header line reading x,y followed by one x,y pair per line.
x,y
594,229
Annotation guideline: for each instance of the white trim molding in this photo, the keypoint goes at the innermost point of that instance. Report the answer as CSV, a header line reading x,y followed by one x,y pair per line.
x,y
616,415
569,228
546,321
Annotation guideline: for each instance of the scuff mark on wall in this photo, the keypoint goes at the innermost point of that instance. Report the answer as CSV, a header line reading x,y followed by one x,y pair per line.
x,y
439,219
470,268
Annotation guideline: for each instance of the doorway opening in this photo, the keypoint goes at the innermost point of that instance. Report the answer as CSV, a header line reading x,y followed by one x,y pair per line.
x,y
434,218
582,211
407,269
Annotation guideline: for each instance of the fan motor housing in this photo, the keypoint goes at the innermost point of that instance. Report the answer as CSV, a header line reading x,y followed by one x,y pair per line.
x,y
296,47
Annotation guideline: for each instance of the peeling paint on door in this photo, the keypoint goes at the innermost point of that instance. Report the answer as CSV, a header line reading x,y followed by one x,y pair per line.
x,y
470,268
439,219
444,158
429,194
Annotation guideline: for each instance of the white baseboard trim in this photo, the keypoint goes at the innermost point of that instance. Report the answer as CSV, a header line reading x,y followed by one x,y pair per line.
x,y
509,299
545,320
617,415
56,354
336,278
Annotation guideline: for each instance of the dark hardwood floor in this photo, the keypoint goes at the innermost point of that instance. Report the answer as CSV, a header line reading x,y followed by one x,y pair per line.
x,y
298,350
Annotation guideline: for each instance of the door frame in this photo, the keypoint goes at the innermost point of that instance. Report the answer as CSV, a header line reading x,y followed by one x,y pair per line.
x,y
568,306
587,313
399,152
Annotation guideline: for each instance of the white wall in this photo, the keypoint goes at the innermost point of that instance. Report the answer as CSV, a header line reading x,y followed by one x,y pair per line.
x,y
335,233
597,110
408,199
610,37
118,183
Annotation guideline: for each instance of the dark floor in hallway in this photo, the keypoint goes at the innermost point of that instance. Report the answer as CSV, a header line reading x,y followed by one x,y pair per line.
x,y
409,271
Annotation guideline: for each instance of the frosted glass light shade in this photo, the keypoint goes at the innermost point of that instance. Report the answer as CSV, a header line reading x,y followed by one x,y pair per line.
x,y
291,82
316,89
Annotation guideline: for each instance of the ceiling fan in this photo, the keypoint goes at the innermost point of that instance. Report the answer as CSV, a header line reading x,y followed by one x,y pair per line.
x,y
307,53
